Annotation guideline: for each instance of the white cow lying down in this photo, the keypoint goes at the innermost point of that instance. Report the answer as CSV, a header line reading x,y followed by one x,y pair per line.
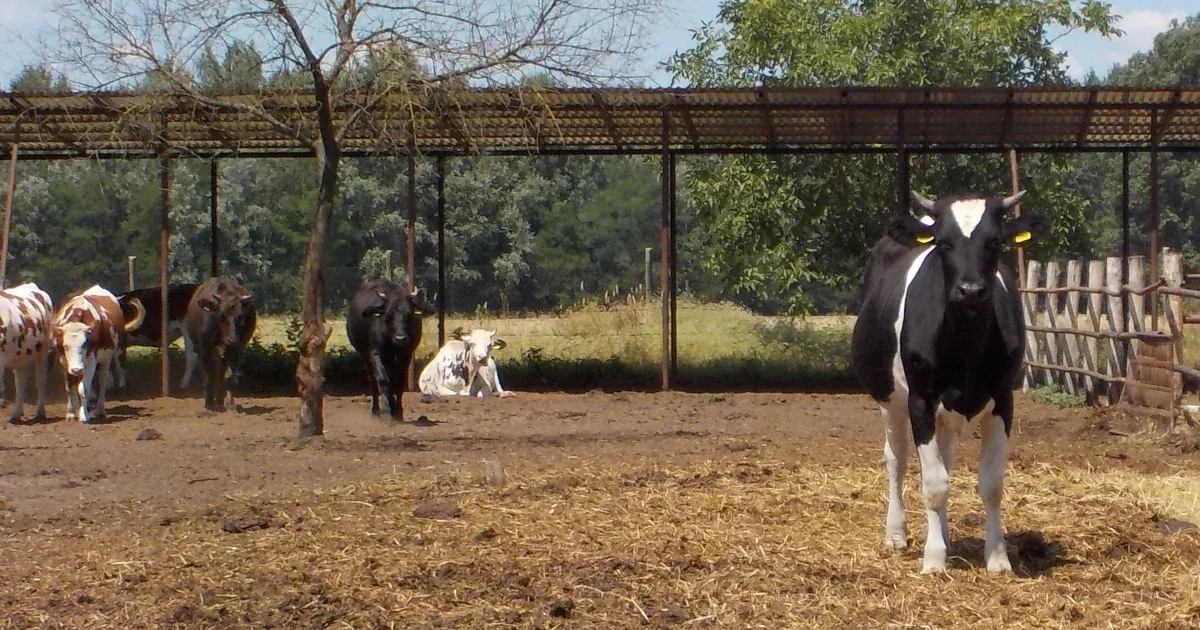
x,y
465,367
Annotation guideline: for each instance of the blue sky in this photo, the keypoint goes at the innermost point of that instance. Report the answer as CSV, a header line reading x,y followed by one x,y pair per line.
x,y
1142,21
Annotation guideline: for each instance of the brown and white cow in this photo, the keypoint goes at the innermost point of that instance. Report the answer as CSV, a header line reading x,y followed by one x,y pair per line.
x,y
88,330
25,313
220,321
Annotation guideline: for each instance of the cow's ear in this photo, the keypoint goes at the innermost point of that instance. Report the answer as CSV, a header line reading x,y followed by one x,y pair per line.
x,y
499,344
377,305
207,303
910,231
1025,229
246,299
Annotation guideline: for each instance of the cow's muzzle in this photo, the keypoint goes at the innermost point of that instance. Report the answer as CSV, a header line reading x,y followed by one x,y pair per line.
x,y
75,373
969,294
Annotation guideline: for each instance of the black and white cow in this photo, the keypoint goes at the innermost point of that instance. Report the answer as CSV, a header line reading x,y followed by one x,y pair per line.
x,y
149,333
383,323
940,339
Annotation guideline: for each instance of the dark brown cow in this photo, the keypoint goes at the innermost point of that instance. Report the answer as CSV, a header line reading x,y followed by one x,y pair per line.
x,y
220,321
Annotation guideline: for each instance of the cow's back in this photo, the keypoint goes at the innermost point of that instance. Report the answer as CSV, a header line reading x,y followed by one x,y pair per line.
x,y
873,344
179,297
27,315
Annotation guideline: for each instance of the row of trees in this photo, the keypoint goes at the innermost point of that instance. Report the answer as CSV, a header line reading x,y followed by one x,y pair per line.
x,y
778,234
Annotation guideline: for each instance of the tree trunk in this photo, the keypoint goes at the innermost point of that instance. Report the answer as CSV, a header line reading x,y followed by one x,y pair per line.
x,y
310,371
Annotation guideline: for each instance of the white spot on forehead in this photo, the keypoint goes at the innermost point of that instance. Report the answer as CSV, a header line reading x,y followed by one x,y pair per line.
x,y
926,219
968,214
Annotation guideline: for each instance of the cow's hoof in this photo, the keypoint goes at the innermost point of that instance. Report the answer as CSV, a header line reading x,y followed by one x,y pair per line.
x,y
895,542
14,420
507,395
998,562
933,565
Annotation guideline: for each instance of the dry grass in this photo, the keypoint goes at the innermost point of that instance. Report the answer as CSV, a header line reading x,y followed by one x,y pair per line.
x,y
754,545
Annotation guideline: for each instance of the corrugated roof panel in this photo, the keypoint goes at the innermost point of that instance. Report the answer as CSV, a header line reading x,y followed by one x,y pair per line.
x,y
729,118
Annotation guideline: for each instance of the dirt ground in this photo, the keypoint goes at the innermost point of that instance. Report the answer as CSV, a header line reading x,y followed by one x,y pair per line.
x,y
548,510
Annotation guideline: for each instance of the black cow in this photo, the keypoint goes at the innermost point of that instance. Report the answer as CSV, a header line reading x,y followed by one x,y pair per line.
x,y
149,333
220,321
940,339
383,322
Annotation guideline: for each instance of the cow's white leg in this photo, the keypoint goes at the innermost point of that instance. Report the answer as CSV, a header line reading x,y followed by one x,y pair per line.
x,y
190,358
494,381
993,459
73,402
85,388
41,367
949,425
20,374
935,486
895,456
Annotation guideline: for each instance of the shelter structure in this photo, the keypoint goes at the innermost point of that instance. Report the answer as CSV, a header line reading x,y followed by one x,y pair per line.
x,y
445,124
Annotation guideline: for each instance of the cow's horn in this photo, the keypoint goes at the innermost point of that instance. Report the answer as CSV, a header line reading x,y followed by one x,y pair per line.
x,y
1012,200
922,201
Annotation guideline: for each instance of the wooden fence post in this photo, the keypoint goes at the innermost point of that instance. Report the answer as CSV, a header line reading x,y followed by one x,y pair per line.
x,y
1173,310
1057,347
1137,308
1116,318
1080,354
1095,284
1029,302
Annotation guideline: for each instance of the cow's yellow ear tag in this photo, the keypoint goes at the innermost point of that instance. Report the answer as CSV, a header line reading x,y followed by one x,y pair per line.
x,y
1021,237
924,239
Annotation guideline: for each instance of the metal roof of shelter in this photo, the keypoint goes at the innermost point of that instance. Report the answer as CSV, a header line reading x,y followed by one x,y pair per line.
x,y
566,121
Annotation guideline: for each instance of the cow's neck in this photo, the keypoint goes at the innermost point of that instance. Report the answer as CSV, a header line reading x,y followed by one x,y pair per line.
x,y
966,332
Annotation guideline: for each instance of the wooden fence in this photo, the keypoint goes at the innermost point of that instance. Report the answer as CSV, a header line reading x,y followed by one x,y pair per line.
x,y
1090,335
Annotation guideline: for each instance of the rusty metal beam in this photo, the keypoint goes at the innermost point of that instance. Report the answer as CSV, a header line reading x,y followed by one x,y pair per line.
x,y
441,247
9,191
664,248
411,239
1014,174
215,244
164,259
674,273
1154,221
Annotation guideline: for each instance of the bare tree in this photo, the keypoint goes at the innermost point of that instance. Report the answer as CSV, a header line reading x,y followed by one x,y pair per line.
x,y
325,44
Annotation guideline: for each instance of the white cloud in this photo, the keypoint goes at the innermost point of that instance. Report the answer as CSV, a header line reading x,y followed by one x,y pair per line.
x,y
1140,26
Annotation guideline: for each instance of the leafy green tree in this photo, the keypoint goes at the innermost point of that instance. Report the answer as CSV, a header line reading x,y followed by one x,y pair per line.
x,y
784,228
1173,60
